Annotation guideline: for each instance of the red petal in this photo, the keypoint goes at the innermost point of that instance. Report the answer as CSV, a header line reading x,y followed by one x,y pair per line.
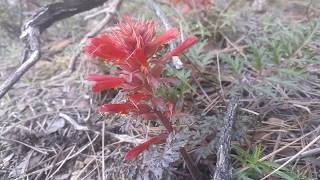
x,y
96,77
186,44
165,121
104,85
132,64
136,98
159,65
134,84
104,82
116,108
139,54
144,108
134,152
149,116
157,69
104,47
167,36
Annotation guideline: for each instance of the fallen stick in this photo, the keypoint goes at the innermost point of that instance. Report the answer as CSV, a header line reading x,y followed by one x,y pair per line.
x,y
223,166
305,154
39,22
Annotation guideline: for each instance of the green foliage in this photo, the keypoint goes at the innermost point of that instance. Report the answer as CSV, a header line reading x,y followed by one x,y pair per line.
x,y
257,57
276,58
256,169
199,56
180,89
234,63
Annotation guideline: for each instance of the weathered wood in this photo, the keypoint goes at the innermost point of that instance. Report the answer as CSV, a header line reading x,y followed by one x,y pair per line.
x,y
49,14
223,165
40,21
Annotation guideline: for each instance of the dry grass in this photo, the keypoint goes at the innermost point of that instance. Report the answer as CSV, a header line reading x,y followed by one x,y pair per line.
x,y
50,129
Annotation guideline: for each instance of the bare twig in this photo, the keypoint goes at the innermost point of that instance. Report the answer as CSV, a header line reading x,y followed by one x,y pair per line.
x,y
160,14
102,154
75,124
40,150
219,76
8,129
302,155
13,78
223,166
39,22
62,162
294,157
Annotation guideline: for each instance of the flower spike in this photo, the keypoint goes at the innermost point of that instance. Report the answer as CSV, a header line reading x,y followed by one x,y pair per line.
x,y
131,47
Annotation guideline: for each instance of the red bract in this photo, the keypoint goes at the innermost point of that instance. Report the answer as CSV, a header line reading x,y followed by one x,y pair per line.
x,y
104,82
131,47
159,65
137,97
116,108
183,46
142,147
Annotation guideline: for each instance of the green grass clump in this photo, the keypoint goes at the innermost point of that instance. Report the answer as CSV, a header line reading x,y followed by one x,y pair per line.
x,y
252,168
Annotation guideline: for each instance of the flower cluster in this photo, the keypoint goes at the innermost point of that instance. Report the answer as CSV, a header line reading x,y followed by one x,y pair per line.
x,y
131,47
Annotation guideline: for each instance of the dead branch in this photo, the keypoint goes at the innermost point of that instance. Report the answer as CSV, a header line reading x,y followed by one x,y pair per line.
x,y
223,165
305,154
39,22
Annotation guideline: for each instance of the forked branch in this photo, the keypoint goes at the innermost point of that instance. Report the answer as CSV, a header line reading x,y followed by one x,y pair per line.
x,y
39,22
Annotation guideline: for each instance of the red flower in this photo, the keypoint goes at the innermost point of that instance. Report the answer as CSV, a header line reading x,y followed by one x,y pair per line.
x,y
126,38
131,47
